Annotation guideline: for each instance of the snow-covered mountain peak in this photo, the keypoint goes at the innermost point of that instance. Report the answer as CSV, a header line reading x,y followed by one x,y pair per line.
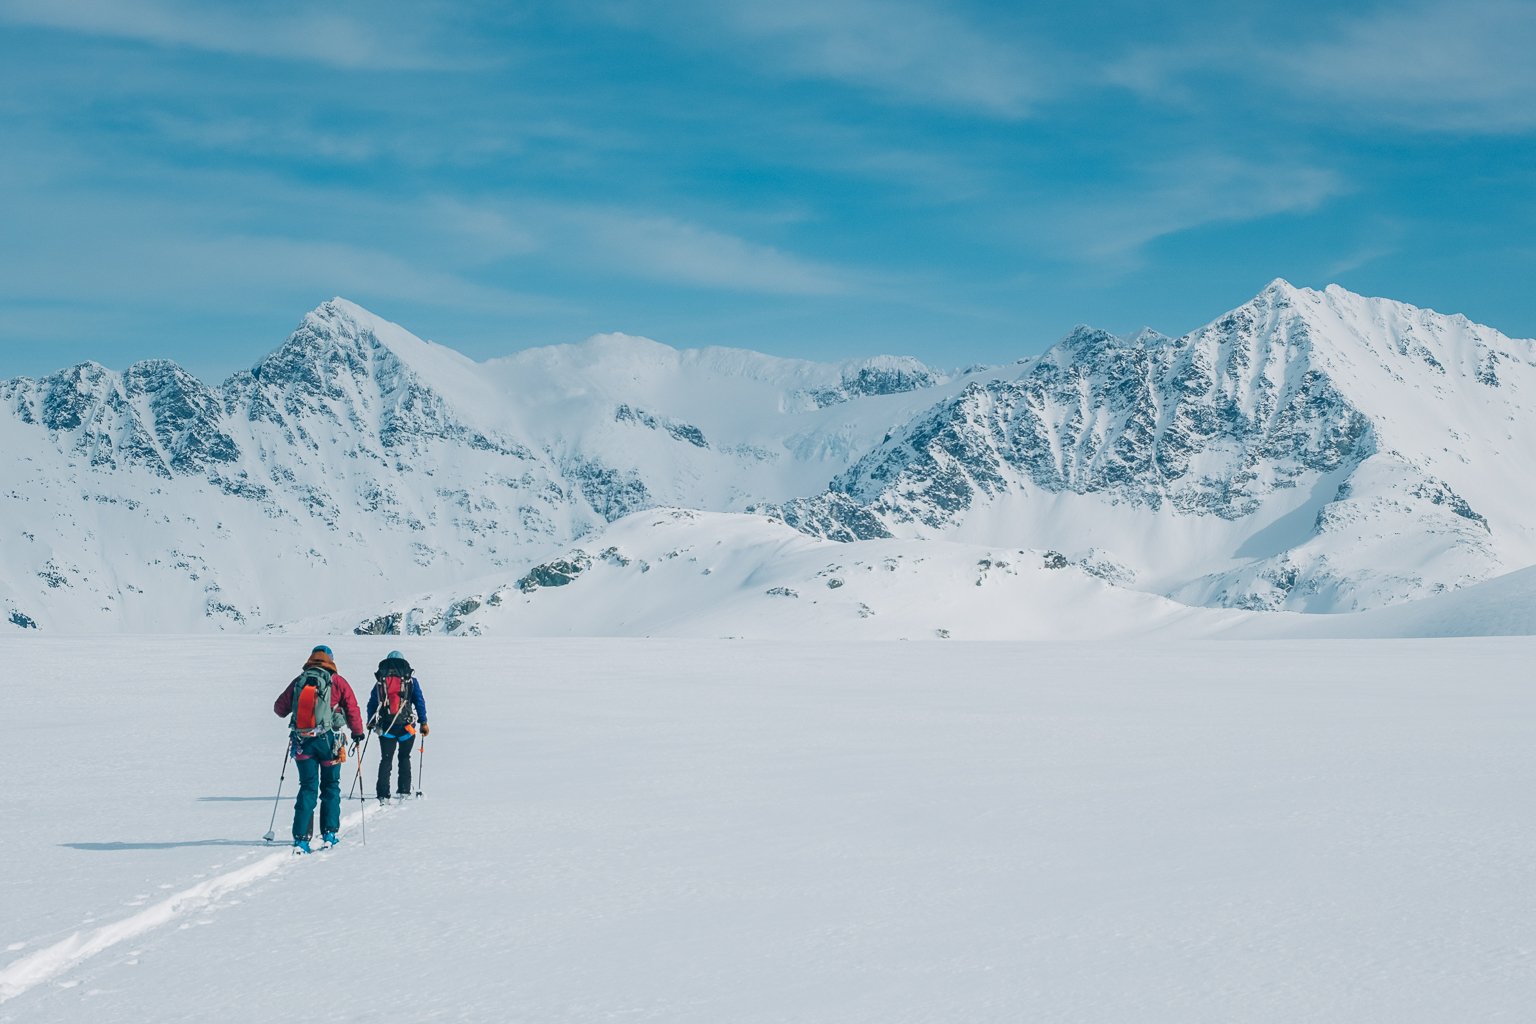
x,y
716,385
610,346
339,329
85,376
344,318
616,361
1310,450
1085,343
886,375
1282,294
1145,336
1375,348
368,370
1310,427
1340,319
327,341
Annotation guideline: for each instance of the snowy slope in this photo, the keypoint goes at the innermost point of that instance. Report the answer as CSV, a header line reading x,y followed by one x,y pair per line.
x,y
1309,451
683,573
747,832
1503,606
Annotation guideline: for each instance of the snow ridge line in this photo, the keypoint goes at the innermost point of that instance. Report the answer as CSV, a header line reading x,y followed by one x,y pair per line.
x,y
35,968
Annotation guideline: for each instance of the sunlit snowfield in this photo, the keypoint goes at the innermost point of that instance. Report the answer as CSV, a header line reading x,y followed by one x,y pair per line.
x,y
715,831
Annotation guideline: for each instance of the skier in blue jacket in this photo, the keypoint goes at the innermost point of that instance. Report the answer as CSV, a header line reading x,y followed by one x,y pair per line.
x,y
396,711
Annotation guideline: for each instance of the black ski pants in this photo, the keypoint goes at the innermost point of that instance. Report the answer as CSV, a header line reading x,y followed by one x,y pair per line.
x,y
389,748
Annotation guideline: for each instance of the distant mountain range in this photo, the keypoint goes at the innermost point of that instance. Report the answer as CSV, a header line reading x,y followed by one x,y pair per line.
x,y
1308,451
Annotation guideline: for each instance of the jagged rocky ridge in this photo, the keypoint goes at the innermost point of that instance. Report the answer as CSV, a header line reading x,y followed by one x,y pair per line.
x,y
1265,404
1313,451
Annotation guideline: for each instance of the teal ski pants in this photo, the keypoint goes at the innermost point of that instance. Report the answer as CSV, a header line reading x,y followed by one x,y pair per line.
x,y
316,780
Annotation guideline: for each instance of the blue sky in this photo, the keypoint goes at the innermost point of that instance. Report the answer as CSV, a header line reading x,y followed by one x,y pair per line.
x,y
959,181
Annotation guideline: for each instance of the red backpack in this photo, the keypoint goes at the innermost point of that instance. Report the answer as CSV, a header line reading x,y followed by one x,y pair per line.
x,y
396,711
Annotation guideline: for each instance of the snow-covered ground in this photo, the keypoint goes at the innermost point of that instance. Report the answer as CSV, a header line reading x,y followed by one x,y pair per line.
x,y
733,831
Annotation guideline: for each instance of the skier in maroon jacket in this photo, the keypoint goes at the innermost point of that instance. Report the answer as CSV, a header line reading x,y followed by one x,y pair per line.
x,y
319,704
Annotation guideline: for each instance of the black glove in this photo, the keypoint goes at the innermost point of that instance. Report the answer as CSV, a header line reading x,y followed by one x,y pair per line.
x,y
357,738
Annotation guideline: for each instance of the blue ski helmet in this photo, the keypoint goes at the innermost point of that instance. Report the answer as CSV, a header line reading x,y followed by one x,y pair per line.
x,y
322,649
395,656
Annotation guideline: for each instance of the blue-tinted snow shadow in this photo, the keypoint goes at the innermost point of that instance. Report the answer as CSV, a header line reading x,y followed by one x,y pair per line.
x,y
234,799
113,847
1295,526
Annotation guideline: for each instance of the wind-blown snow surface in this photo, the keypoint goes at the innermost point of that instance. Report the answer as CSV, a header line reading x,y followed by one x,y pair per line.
x,y
746,832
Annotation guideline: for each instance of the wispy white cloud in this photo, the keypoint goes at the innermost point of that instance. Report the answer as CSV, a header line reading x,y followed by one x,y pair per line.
x,y
1383,238
1351,261
1433,65
662,248
1113,228
244,272
500,235
243,134
1464,65
907,50
477,232
415,139
349,269
185,245
933,176
442,248
280,31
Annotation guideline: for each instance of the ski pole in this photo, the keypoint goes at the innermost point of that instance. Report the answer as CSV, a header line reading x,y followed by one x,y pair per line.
x,y
421,768
272,825
362,800
367,735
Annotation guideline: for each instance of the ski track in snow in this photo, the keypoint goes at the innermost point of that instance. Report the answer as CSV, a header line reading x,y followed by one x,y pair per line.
x,y
48,963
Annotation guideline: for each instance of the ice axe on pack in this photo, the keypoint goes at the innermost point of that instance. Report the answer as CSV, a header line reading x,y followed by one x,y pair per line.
x,y
272,825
